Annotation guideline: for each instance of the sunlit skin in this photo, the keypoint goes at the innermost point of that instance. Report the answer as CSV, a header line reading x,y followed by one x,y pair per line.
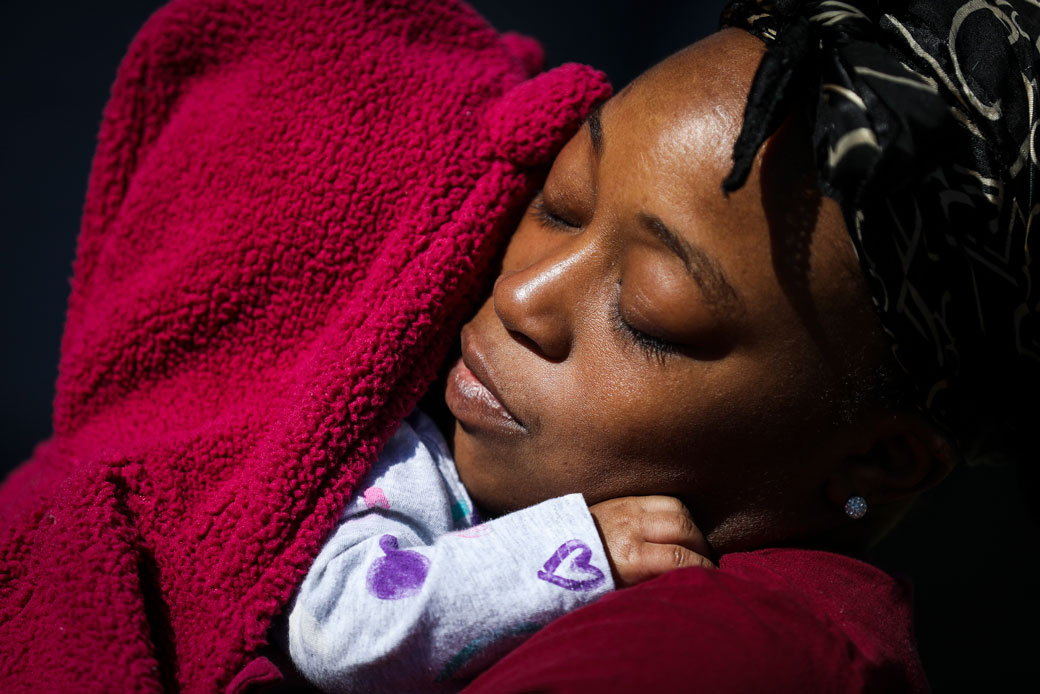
x,y
651,336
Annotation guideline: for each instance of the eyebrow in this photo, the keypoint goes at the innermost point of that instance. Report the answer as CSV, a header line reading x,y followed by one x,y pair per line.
x,y
704,269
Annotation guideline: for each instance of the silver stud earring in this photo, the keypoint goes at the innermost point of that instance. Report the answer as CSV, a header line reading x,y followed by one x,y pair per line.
x,y
856,507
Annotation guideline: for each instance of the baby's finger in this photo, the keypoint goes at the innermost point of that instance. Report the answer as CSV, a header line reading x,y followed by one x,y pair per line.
x,y
658,502
674,528
655,559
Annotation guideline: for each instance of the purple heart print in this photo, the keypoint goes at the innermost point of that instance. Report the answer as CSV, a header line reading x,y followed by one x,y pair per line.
x,y
400,574
579,566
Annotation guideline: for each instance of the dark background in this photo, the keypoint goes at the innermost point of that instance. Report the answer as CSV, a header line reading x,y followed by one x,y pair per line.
x,y
970,546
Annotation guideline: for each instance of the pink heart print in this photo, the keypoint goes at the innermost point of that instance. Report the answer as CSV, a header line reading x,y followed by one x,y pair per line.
x,y
374,497
474,531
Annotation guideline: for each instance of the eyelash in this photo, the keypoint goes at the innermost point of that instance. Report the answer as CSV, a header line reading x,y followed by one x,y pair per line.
x,y
547,218
654,348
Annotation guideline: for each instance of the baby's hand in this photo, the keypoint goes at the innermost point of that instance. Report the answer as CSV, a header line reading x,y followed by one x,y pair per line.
x,y
645,536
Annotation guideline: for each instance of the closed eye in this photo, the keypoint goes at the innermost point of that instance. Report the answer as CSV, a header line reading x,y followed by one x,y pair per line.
x,y
547,217
653,347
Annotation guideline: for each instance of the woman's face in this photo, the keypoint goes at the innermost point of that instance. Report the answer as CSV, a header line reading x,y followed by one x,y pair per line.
x,y
647,335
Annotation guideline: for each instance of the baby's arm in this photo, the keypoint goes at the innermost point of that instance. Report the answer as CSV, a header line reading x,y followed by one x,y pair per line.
x,y
396,612
392,604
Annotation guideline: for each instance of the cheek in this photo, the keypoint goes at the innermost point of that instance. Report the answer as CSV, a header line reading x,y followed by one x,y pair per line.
x,y
708,435
718,426
634,431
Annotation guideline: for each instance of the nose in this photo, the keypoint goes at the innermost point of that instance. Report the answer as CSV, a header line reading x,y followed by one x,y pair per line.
x,y
539,304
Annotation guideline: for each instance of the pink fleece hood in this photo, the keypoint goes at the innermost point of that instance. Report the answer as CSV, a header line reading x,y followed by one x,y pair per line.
x,y
293,207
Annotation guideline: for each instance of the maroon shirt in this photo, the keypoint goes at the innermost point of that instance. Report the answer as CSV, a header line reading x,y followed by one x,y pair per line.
x,y
774,620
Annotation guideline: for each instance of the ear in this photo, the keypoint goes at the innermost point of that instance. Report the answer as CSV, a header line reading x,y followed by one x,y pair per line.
x,y
894,458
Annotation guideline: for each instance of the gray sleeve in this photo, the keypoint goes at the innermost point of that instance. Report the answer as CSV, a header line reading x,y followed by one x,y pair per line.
x,y
397,602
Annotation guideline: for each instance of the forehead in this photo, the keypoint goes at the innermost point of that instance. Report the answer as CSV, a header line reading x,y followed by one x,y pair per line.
x,y
668,136
686,111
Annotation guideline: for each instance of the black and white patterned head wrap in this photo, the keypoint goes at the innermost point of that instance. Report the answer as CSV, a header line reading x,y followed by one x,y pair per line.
x,y
924,118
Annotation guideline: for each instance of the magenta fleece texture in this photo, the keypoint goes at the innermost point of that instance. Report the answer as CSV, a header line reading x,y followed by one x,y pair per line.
x,y
292,209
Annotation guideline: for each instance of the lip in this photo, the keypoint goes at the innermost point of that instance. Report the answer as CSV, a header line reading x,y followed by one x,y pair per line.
x,y
472,396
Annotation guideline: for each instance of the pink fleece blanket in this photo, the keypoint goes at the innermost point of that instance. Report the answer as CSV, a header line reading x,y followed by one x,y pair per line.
x,y
292,208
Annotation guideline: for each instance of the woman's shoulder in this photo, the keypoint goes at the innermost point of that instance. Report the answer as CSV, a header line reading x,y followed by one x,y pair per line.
x,y
773,620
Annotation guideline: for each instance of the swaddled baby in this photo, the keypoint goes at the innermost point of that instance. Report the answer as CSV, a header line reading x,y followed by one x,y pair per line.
x,y
414,590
